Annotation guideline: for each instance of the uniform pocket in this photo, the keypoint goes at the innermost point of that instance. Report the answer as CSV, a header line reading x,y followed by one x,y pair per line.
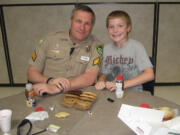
x,y
55,54
80,65
56,60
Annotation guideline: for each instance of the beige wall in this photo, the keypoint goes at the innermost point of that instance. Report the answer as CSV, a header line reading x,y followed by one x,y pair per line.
x,y
3,68
26,25
168,56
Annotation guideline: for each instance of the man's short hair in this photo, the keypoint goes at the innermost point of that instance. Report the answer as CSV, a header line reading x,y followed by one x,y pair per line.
x,y
84,8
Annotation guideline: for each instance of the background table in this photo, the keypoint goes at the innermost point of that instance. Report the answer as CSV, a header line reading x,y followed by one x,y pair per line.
x,y
103,121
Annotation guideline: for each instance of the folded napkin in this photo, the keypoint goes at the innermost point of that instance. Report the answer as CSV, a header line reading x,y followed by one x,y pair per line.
x,y
35,116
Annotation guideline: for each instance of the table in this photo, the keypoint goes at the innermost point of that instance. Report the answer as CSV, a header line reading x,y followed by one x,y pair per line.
x,y
103,121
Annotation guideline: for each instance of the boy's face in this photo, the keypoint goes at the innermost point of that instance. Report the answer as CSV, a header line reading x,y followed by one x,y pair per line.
x,y
118,30
81,26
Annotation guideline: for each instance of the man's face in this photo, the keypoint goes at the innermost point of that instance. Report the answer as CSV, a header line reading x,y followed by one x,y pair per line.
x,y
81,26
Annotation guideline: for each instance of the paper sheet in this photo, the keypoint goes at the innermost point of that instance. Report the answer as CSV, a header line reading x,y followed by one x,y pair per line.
x,y
138,118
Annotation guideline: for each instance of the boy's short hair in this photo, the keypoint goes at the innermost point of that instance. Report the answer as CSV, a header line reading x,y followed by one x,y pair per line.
x,y
118,14
84,8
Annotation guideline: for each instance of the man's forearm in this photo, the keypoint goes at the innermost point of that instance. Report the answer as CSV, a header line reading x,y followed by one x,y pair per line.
x,y
35,76
84,80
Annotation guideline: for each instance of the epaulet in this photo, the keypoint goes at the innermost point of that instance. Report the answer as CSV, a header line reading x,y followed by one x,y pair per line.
x,y
99,45
49,35
93,37
55,33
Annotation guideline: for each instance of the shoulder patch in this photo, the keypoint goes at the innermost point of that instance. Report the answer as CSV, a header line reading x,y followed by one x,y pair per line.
x,y
41,41
99,50
97,61
34,56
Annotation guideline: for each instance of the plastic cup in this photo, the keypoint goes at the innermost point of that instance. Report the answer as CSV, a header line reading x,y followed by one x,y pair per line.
x,y
5,120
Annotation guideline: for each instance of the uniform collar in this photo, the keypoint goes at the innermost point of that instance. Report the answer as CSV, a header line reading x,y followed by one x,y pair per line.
x,y
85,42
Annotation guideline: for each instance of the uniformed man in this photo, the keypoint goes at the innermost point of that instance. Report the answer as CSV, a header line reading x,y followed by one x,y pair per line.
x,y
67,60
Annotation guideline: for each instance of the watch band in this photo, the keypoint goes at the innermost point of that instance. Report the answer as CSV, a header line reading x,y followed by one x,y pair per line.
x,y
48,79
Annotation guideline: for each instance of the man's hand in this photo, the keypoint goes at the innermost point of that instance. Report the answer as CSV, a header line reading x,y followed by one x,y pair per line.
x,y
100,85
61,83
111,86
41,88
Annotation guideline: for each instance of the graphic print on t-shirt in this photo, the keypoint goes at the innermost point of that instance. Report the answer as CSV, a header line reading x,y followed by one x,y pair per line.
x,y
115,65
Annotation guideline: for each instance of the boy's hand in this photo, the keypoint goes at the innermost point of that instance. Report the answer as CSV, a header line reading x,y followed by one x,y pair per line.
x,y
111,86
100,85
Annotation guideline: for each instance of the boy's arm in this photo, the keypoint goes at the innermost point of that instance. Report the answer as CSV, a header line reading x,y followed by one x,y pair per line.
x,y
102,77
145,76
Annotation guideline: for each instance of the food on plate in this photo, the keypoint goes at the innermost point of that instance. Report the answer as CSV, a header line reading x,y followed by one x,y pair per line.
x,y
89,93
75,92
69,101
168,112
79,100
85,101
71,96
87,97
83,105
62,114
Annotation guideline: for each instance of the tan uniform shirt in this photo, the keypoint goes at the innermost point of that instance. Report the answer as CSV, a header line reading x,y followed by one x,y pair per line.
x,y
52,57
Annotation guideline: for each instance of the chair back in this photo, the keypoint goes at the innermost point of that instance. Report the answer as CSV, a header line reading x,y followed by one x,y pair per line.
x,y
149,86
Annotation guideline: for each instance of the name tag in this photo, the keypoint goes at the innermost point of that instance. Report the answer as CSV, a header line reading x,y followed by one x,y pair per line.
x,y
84,58
55,51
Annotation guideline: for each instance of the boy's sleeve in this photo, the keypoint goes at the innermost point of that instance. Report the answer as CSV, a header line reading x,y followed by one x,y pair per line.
x,y
143,61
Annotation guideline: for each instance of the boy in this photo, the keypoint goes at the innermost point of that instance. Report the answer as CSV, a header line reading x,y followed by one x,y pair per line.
x,y
123,56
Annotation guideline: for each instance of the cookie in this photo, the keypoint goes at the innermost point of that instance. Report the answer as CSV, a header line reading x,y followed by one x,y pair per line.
x,y
82,105
86,98
71,95
79,100
75,92
89,93
68,101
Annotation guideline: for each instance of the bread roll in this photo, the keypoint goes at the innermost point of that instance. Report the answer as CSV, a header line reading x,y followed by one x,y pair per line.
x,y
168,113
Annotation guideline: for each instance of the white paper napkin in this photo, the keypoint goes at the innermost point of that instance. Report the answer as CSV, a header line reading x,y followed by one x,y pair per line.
x,y
35,116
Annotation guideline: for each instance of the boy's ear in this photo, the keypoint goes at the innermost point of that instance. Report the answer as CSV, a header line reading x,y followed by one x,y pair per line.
x,y
129,28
